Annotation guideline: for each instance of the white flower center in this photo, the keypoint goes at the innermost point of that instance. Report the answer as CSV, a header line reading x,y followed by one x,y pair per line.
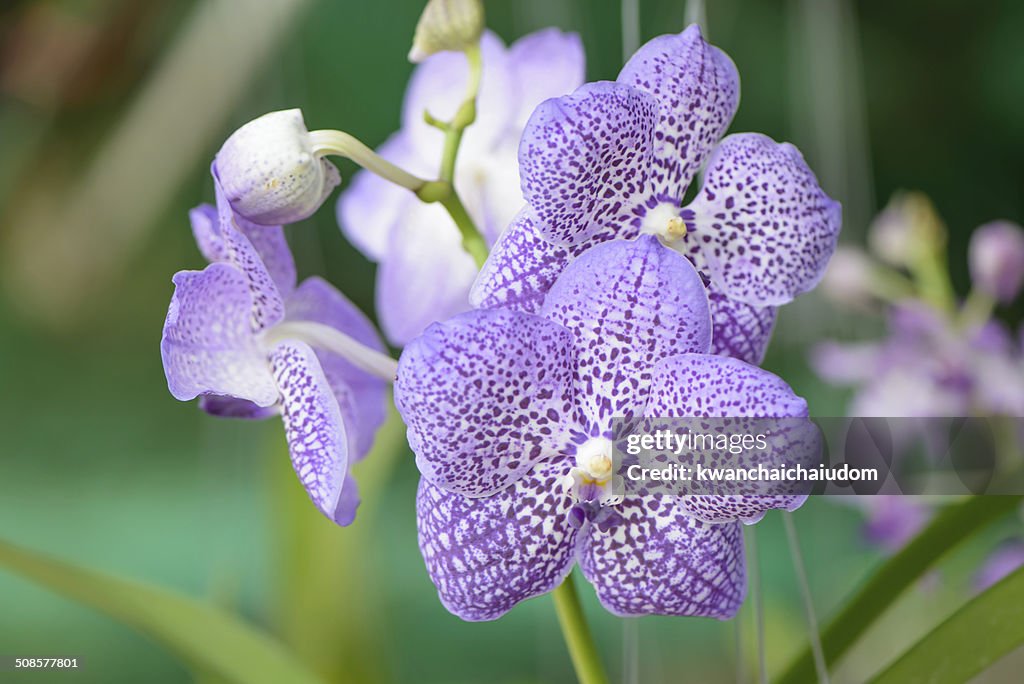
x,y
665,222
594,458
593,479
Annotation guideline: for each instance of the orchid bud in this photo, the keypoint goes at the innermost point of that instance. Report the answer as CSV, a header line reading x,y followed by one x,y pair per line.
x,y
848,279
271,172
906,229
447,25
996,259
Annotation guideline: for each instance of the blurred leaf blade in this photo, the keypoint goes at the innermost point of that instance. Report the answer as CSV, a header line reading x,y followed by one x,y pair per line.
x,y
209,640
969,641
950,527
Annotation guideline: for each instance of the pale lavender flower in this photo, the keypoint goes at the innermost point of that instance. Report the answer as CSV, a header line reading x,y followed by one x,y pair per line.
x,y
928,367
510,417
233,337
893,520
1005,559
614,160
996,258
424,275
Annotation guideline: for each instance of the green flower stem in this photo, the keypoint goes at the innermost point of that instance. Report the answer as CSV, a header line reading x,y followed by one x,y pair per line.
x,y
948,529
472,241
580,643
342,144
929,269
443,189
976,310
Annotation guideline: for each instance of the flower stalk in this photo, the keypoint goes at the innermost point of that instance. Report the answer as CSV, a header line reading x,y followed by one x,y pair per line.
x,y
578,639
443,190
344,145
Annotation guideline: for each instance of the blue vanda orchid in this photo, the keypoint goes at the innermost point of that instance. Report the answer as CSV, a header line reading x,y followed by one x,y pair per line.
x,y
509,412
247,341
613,160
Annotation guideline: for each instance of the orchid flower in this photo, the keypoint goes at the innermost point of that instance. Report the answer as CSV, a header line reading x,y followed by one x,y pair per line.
x,y
424,275
510,415
247,341
614,160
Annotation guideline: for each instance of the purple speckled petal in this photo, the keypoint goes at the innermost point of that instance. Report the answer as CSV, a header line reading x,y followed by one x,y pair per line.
x,y
370,208
314,428
741,331
661,561
219,241
521,268
361,396
702,385
425,276
628,304
268,303
273,250
584,160
206,230
763,228
697,89
486,555
543,64
486,395
208,346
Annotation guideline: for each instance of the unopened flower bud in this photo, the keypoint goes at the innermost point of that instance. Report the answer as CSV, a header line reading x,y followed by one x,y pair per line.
x,y
848,279
447,25
907,228
996,259
270,171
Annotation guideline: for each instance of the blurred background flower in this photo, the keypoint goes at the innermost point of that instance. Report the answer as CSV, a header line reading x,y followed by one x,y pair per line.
x,y
110,113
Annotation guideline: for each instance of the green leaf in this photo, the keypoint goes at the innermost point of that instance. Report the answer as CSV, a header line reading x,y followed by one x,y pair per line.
x,y
207,639
982,631
947,530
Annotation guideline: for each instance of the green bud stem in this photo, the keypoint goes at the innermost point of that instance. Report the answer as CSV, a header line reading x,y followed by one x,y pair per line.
x,y
344,145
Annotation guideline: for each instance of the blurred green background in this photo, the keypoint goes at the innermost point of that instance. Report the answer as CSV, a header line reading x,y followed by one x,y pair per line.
x,y
110,113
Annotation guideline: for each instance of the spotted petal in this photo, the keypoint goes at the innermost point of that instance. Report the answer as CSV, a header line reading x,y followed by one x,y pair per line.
x,y
702,385
661,561
362,397
584,160
313,425
262,251
628,304
208,346
764,229
697,89
742,331
486,555
521,268
485,395
268,303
